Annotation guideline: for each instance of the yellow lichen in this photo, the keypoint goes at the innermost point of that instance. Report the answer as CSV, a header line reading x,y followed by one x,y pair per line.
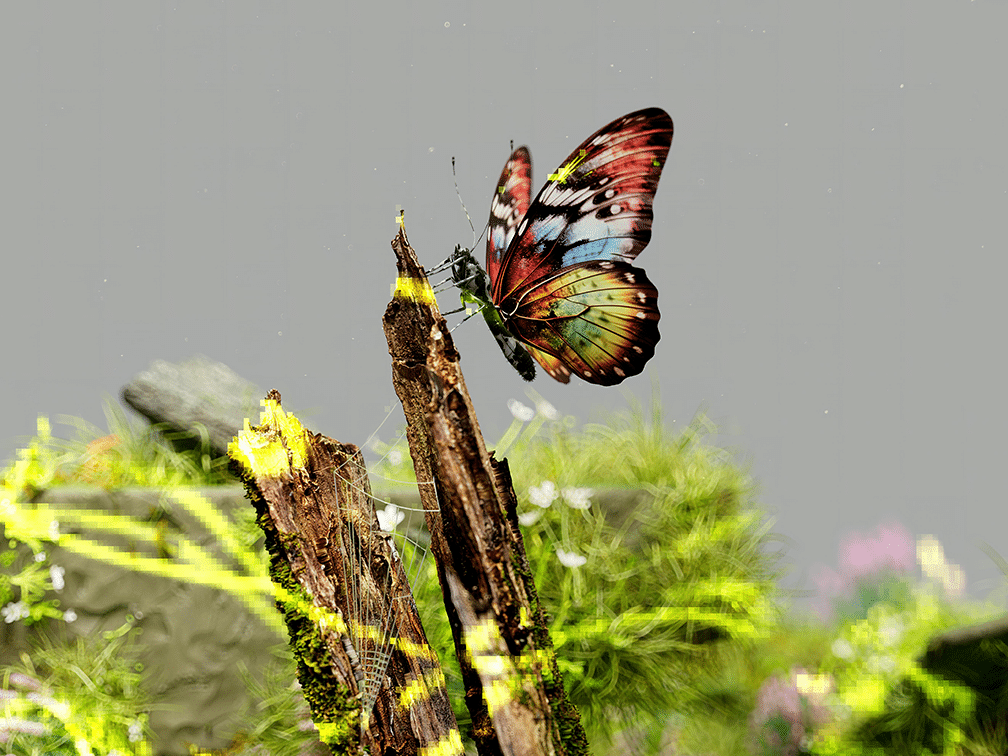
x,y
274,447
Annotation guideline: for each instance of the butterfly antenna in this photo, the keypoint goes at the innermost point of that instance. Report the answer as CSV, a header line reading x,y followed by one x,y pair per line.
x,y
459,195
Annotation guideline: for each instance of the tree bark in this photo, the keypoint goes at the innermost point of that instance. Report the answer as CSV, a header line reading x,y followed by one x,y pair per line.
x,y
514,691
337,576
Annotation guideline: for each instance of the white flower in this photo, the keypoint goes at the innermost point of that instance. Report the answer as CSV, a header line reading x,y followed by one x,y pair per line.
x,y
14,611
890,631
6,507
954,580
520,411
135,732
54,533
60,708
813,687
40,557
878,663
544,494
56,574
529,518
69,615
578,498
842,648
395,457
390,517
931,557
21,680
570,559
12,725
547,410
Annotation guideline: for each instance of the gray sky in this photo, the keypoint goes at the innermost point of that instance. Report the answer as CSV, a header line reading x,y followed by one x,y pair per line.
x,y
828,241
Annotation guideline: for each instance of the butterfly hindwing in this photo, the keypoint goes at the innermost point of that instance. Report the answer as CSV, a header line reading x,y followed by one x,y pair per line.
x,y
553,366
597,206
598,319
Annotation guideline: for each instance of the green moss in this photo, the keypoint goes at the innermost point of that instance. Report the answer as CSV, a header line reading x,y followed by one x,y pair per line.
x,y
334,708
277,446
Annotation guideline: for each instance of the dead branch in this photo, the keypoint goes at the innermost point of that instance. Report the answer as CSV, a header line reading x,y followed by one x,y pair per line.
x,y
514,690
337,577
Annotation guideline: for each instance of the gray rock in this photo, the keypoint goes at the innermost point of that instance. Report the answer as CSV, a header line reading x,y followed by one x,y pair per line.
x,y
197,392
976,655
195,637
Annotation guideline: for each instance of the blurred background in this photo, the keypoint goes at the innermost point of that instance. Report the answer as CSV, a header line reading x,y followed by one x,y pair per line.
x,y
828,244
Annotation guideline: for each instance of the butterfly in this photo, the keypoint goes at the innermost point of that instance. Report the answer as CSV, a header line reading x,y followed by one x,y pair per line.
x,y
559,286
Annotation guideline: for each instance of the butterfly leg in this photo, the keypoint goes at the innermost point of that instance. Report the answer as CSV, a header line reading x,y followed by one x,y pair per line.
x,y
470,315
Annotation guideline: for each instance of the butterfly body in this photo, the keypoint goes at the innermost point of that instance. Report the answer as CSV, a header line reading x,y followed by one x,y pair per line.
x,y
558,275
473,283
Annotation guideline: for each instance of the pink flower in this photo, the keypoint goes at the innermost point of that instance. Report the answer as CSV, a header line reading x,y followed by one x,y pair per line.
x,y
890,547
782,722
864,558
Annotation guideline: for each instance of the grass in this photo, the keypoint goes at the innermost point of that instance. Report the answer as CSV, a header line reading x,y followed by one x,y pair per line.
x,y
643,673
129,453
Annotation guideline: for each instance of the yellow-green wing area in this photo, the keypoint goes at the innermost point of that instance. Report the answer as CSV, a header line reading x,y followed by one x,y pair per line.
x,y
597,319
553,366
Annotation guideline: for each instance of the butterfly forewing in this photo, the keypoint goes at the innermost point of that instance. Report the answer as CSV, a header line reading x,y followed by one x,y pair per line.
x,y
598,318
508,207
597,206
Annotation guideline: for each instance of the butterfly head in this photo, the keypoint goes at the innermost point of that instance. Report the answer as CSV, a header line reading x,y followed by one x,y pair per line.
x,y
470,278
